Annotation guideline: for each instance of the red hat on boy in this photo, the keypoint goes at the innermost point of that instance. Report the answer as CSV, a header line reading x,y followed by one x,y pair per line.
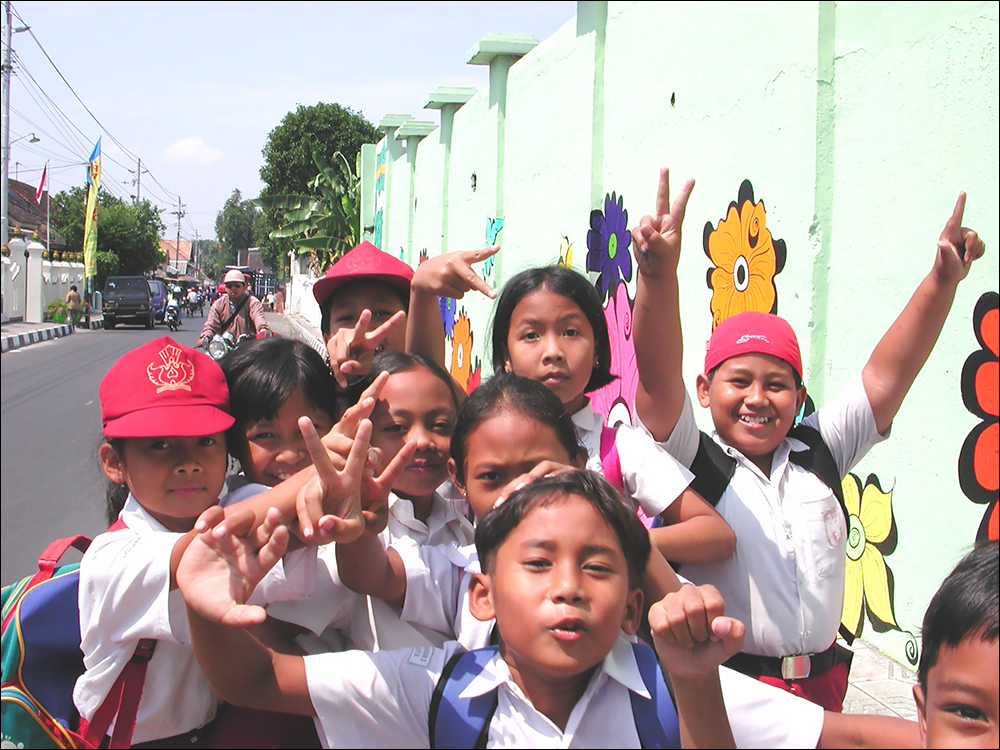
x,y
164,389
368,262
753,333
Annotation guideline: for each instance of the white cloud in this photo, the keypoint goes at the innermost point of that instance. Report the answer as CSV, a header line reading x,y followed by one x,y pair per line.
x,y
193,151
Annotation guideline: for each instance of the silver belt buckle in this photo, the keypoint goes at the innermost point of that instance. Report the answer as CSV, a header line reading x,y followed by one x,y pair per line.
x,y
795,667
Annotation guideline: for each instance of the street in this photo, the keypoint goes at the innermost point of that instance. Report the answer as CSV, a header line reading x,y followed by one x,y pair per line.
x,y
50,419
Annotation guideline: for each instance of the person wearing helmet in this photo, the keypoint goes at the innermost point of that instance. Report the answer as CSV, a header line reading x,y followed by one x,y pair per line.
x,y
237,311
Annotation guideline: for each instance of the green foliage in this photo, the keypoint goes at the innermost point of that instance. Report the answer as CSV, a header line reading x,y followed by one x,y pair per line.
x,y
128,234
325,223
235,226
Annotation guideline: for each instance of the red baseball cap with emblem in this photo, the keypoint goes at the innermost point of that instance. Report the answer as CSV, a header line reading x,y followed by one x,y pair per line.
x,y
753,333
164,389
364,262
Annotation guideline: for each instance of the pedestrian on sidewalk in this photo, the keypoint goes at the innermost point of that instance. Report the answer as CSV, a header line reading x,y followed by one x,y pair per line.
x,y
75,305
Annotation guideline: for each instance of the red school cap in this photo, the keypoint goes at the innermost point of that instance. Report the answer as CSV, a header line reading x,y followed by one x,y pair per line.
x,y
753,333
164,389
364,262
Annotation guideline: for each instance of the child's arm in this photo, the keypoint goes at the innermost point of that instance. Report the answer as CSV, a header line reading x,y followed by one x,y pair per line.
x,y
448,275
866,730
694,531
692,638
219,570
656,321
366,567
904,348
352,350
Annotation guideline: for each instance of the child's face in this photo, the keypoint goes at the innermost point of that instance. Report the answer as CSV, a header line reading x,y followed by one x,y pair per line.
x,y
754,402
501,449
550,340
415,405
174,478
962,703
560,593
271,451
381,299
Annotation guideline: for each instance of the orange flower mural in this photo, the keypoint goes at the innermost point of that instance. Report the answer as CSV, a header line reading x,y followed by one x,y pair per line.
x,y
746,259
978,470
461,349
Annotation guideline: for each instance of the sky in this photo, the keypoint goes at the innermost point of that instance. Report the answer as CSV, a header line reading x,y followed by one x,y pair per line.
x,y
193,88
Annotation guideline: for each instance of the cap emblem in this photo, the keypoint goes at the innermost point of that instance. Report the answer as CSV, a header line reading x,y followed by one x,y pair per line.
x,y
173,374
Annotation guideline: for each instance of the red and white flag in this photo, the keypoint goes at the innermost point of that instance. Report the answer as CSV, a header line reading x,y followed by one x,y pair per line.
x,y
41,185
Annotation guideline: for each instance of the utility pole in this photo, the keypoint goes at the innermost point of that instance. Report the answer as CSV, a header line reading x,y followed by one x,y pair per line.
x,y
177,248
5,113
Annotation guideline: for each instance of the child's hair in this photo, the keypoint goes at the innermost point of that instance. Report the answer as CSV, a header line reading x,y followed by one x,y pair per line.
x,y
262,374
509,392
115,494
567,283
966,606
633,537
393,362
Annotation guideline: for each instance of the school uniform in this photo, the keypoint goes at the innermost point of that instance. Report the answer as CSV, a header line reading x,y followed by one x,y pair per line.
x,y
652,477
786,579
125,596
382,700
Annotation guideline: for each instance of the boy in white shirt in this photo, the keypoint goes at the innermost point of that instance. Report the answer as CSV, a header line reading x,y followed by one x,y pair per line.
x,y
562,563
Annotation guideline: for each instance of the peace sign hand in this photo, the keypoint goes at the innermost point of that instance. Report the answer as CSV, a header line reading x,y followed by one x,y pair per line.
x,y
958,246
656,242
452,275
351,350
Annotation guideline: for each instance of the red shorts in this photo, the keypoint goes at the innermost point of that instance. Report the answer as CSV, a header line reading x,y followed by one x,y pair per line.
x,y
828,689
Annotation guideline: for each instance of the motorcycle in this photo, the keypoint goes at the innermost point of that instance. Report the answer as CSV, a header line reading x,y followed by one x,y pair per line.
x,y
172,316
220,346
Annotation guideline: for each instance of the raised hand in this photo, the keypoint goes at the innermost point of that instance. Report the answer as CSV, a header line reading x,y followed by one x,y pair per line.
x,y
542,469
452,275
958,246
691,633
656,241
224,563
351,350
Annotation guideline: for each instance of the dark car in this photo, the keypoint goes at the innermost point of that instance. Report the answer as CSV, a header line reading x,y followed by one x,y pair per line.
x,y
127,298
158,295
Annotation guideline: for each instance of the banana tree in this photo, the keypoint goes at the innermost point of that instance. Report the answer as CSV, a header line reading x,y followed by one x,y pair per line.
x,y
327,223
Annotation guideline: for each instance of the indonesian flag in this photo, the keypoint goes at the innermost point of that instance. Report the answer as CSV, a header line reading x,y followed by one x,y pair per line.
x,y
41,185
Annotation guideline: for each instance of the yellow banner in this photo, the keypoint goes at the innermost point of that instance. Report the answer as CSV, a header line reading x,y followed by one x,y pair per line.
x,y
90,219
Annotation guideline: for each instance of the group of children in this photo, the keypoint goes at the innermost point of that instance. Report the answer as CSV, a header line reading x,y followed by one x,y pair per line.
x,y
416,568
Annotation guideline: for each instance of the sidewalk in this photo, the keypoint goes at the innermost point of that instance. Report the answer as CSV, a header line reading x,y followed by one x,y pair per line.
x,y
14,335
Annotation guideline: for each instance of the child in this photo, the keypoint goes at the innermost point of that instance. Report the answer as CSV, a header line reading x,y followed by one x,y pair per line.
x,y
958,698
752,385
562,558
362,300
165,412
548,325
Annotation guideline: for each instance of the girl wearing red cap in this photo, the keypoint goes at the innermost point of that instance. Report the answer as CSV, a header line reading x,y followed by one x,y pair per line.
x,y
165,410
786,580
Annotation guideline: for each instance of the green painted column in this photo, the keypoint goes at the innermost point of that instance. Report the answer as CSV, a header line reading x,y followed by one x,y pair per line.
x,y
448,99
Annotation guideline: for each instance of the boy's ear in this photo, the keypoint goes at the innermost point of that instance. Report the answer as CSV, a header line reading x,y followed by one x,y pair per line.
x,y
481,597
632,616
455,479
506,366
701,386
580,460
111,462
921,700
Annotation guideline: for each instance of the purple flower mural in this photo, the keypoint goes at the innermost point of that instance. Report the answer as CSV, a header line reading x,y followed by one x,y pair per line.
x,y
608,245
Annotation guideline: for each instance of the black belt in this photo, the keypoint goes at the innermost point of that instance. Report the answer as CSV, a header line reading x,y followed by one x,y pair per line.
x,y
785,668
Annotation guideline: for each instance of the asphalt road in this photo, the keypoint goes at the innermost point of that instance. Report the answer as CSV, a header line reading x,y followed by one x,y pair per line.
x,y
50,425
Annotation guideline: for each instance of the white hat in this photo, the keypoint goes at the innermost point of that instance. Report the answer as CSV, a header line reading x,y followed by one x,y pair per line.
x,y
235,275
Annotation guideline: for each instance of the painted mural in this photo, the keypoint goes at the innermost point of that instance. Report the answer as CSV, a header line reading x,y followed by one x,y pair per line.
x,y
977,462
380,173
565,253
746,259
493,227
609,255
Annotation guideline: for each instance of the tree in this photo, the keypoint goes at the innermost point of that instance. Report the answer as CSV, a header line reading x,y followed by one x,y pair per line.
x,y
235,226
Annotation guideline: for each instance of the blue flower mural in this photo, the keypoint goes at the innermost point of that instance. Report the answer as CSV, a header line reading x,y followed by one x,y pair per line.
x,y
607,245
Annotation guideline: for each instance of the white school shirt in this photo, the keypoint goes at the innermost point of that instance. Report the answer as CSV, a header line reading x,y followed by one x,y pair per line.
x,y
652,477
365,622
383,700
125,596
786,579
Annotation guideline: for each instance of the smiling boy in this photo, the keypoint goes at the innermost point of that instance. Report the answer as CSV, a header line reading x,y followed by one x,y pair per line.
x,y
561,592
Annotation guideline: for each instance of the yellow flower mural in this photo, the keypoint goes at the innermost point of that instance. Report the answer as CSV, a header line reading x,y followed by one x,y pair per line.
x,y
746,259
565,253
867,579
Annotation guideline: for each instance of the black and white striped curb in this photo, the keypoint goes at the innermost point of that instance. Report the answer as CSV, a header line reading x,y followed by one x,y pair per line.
x,y
17,340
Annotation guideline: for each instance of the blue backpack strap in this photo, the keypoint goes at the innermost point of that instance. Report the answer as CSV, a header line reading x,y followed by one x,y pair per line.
x,y
655,717
456,722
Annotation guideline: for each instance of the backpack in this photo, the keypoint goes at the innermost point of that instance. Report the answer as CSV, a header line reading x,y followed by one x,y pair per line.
x,y
42,660
457,722
611,466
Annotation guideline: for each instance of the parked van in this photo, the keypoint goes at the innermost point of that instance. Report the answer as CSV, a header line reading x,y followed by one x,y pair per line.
x,y
127,298
158,295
